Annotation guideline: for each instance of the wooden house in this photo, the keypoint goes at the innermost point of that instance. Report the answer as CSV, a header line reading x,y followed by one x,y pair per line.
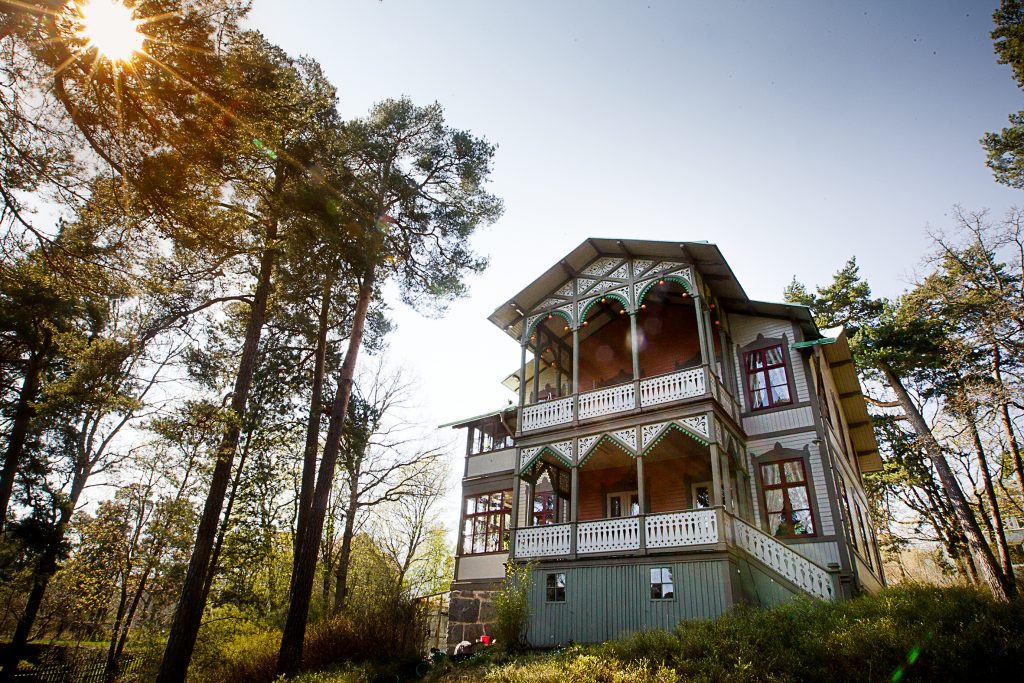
x,y
676,449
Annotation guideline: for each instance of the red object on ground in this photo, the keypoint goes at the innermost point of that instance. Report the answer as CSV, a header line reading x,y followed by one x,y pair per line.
x,y
486,640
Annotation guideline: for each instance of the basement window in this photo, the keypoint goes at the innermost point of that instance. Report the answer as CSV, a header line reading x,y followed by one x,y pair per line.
x,y
556,587
662,587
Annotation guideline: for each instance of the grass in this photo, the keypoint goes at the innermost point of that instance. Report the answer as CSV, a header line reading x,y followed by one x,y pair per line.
x,y
906,633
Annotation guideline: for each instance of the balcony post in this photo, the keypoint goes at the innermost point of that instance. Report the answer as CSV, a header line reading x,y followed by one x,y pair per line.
x,y
641,498
522,382
702,335
530,493
727,482
716,475
574,507
514,522
633,345
576,361
536,365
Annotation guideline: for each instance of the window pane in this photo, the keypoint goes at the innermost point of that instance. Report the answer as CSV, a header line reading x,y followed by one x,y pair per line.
x,y
666,575
634,505
754,361
793,471
773,500
668,591
780,394
802,522
798,498
777,377
616,507
655,591
773,356
703,497
470,506
655,575
759,399
770,474
756,381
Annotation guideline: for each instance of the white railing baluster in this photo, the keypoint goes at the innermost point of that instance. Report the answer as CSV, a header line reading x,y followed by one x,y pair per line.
x,y
672,387
543,541
547,414
675,529
607,401
787,562
607,535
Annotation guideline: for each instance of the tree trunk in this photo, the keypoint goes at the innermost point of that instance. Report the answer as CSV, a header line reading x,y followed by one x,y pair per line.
x,y
996,517
345,554
189,613
1004,413
211,572
23,413
290,656
984,560
44,571
313,424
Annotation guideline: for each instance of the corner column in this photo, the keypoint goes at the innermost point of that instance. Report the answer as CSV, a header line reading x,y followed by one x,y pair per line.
x,y
702,332
641,499
716,475
574,507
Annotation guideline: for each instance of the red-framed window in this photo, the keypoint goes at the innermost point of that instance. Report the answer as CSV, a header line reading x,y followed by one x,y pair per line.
x,y
547,508
485,524
787,500
767,378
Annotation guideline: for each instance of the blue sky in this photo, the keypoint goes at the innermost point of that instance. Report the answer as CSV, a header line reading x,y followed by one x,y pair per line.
x,y
793,135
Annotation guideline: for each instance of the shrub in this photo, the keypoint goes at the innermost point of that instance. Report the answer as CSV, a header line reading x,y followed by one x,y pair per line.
x,y
512,607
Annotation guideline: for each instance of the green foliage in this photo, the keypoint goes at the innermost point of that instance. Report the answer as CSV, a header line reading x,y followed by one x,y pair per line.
x,y
512,607
924,633
1004,148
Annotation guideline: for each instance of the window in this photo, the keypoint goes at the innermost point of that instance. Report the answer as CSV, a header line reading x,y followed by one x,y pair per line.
x,y
702,495
845,501
767,381
662,587
547,508
486,522
786,501
864,536
487,436
623,504
556,587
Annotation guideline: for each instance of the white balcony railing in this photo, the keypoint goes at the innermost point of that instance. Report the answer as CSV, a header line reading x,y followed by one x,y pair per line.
x,y
543,541
672,387
621,398
675,529
608,535
547,414
783,559
607,401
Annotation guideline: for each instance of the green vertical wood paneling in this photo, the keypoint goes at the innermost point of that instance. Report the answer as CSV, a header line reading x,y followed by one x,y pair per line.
x,y
610,601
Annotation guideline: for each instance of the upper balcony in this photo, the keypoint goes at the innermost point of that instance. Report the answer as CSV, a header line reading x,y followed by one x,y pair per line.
x,y
667,350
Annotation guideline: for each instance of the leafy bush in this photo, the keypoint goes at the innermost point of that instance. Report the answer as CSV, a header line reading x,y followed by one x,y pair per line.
x,y
512,608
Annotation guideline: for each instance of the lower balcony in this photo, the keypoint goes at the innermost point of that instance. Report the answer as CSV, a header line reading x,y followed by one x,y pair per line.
x,y
623,534
704,528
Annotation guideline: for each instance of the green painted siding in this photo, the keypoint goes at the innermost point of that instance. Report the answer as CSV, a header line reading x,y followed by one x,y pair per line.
x,y
610,601
754,586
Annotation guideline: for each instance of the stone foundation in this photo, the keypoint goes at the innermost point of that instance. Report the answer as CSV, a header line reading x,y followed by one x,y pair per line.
x,y
471,614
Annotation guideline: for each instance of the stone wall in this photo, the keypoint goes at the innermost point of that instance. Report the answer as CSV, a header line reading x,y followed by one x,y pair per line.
x,y
470,615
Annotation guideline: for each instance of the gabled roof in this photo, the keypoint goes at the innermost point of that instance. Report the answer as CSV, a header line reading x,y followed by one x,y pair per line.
x,y
706,257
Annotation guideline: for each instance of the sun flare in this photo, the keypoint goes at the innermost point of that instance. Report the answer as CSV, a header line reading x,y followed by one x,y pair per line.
x,y
109,26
